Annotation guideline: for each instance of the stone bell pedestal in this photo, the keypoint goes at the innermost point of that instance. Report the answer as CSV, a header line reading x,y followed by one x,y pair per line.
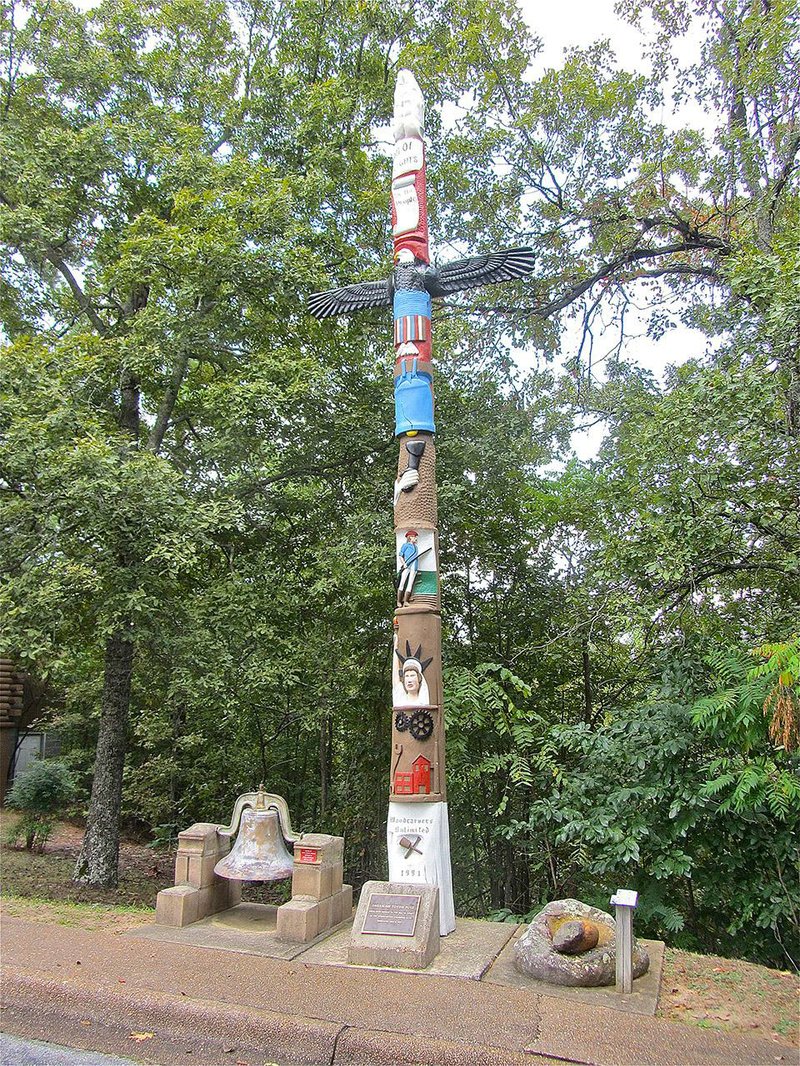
x,y
198,891
209,872
319,900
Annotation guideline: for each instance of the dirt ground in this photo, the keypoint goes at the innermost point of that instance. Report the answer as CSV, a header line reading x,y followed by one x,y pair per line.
x,y
143,871
703,990
730,994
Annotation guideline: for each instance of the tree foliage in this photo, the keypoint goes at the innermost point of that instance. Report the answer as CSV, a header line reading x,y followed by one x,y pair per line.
x,y
196,476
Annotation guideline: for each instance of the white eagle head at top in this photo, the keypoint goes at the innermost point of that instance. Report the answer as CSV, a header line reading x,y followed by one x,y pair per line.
x,y
409,107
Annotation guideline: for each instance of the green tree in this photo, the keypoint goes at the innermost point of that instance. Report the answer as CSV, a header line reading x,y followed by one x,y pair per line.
x,y
196,476
684,533
173,181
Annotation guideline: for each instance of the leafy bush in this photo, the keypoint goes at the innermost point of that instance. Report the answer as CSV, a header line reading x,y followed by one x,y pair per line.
x,y
39,791
682,795
643,802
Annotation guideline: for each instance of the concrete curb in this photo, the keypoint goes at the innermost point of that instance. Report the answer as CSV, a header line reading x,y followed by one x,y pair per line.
x,y
364,1047
199,1032
197,1029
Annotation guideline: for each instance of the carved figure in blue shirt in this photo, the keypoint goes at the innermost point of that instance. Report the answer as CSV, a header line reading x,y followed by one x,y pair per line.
x,y
409,564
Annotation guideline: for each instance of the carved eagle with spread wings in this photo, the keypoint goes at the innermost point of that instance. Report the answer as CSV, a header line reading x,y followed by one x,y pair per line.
x,y
412,274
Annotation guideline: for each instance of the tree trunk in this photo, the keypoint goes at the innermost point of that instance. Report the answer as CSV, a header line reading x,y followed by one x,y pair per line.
x,y
99,855
587,686
510,893
324,766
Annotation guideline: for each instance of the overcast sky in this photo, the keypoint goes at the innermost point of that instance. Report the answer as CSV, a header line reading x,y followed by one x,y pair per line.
x,y
570,23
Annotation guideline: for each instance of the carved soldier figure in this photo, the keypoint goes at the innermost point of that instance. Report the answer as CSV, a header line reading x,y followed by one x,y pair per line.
x,y
409,564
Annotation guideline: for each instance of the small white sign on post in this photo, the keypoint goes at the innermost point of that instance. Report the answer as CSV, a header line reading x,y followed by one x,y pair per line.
x,y
624,900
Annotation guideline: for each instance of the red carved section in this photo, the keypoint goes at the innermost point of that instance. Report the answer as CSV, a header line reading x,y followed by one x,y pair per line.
x,y
417,782
410,206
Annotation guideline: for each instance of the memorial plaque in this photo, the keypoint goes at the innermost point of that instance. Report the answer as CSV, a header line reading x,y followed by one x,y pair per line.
x,y
397,924
391,914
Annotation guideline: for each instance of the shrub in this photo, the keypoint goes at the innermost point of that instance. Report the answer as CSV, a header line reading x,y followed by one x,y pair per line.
x,y
39,792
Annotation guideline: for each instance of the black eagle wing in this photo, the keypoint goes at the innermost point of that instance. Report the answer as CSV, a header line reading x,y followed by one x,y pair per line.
x,y
507,265
349,298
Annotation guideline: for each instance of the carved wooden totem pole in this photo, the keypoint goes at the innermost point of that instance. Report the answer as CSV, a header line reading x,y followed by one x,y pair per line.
x,y
417,831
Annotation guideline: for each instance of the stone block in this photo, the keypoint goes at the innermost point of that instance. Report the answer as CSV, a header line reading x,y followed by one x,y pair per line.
x,y
337,878
329,849
221,895
199,850
198,892
347,900
298,920
234,893
343,904
178,906
325,914
200,839
200,869
181,869
411,943
184,904
315,881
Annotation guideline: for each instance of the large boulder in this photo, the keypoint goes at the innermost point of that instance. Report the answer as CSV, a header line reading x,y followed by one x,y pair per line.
x,y
536,955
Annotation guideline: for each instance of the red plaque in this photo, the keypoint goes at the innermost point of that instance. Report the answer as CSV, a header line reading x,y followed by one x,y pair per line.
x,y
307,855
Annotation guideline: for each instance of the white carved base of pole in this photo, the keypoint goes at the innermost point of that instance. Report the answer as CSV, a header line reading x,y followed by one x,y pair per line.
x,y
418,842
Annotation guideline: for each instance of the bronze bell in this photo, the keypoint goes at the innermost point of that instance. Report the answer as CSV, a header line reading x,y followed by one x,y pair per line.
x,y
259,851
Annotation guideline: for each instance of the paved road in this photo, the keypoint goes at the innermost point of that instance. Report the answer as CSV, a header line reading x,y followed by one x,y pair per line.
x,y
16,1052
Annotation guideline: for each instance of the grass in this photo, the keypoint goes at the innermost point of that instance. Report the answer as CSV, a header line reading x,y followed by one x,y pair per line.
x,y
81,915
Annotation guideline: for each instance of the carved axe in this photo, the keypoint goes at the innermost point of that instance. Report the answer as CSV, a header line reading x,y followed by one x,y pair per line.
x,y
410,844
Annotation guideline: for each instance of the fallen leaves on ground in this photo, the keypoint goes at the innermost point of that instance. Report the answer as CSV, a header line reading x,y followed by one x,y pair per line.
x,y
728,994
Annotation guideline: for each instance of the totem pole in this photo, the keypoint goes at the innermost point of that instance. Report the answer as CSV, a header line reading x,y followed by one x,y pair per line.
x,y
417,831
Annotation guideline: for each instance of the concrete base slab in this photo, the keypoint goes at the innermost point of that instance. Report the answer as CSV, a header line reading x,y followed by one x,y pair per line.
x,y
642,1000
247,918
250,928
476,951
468,952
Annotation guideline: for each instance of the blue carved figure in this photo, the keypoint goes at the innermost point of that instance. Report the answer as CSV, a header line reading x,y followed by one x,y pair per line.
x,y
413,400
409,565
